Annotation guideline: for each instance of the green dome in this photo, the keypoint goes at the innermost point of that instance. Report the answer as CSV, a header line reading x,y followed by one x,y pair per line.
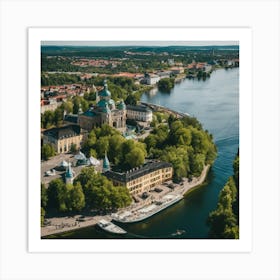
x,y
89,113
121,106
105,92
102,103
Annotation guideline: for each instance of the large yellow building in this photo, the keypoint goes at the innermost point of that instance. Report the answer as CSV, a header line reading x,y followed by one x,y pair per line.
x,y
62,138
143,178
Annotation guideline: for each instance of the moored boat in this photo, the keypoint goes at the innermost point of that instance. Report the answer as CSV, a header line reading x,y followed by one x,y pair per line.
x,y
110,227
147,211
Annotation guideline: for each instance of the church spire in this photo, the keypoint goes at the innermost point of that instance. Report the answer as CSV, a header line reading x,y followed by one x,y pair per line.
x,y
106,163
69,176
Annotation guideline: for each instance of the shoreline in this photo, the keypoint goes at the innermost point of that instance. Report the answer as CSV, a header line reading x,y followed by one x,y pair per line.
x,y
67,224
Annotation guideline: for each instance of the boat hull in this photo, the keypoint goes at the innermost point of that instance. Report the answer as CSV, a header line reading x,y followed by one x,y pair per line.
x,y
149,215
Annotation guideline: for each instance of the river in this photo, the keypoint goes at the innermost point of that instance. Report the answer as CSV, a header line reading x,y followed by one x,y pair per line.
x,y
215,103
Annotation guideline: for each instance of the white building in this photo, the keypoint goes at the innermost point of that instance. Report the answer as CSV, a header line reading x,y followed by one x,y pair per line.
x,y
139,113
151,79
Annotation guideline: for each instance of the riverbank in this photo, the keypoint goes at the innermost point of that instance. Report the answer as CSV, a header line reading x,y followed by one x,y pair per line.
x,y
64,224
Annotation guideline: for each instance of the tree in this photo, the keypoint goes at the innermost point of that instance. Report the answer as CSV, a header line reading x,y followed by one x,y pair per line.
x,y
63,197
191,121
47,119
100,193
135,157
55,189
199,141
235,205
161,117
131,99
76,104
188,148
58,116
77,198
178,157
117,92
84,104
68,107
183,136
171,119
90,96
47,151
115,148
162,134
196,163
43,213
107,130
219,220
236,170
44,196
166,84
223,221
87,174
150,141
102,146
89,143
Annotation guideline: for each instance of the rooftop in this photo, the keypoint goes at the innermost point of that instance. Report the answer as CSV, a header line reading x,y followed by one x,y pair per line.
x,y
73,118
140,108
137,172
63,132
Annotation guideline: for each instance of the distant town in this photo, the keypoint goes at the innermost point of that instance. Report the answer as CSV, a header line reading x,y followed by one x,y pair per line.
x,y
108,158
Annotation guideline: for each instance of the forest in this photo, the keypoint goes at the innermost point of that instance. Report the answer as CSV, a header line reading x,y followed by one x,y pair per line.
x,y
224,220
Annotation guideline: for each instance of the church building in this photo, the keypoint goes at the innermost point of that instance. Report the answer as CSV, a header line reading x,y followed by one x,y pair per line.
x,y
105,112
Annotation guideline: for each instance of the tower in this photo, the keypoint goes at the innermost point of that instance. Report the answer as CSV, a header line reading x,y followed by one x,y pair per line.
x,y
106,164
69,175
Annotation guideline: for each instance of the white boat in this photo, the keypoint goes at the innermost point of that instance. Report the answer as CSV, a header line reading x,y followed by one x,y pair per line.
x,y
147,211
110,227
178,232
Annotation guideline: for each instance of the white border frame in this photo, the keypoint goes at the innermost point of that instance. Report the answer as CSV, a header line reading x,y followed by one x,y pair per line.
x,y
243,35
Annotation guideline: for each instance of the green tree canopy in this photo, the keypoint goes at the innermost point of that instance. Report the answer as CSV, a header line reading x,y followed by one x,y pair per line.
x,y
55,189
100,193
223,221
44,196
47,151
166,84
135,157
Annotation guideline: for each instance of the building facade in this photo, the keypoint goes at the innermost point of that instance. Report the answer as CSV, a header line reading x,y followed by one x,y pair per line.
x,y
142,179
105,112
151,79
139,113
62,138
